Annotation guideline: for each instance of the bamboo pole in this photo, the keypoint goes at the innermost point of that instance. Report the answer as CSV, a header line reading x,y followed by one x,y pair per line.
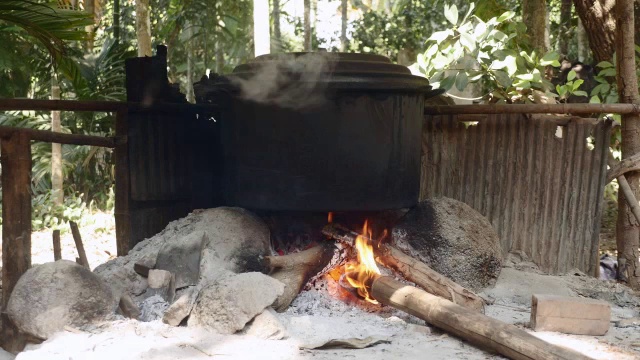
x,y
532,109
626,190
60,138
478,329
57,250
78,240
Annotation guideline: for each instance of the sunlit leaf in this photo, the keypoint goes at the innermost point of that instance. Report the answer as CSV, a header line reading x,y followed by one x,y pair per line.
x,y
451,13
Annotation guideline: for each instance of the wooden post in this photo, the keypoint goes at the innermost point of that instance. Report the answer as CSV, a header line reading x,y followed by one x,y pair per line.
x,y
627,228
57,250
478,329
79,245
122,215
16,229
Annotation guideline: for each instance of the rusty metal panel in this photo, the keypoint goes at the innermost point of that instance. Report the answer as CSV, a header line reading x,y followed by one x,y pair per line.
x,y
542,193
160,153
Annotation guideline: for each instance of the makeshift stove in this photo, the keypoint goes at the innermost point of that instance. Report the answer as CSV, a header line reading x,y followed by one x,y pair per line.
x,y
325,151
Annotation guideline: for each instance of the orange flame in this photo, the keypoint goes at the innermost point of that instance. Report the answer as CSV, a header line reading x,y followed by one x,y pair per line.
x,y
330,218
358,274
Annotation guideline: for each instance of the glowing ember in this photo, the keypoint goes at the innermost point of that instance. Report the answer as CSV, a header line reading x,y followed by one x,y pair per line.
x,y
360,273
330,218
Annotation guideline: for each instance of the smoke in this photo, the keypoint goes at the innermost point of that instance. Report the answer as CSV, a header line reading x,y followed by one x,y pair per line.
x,y
290,81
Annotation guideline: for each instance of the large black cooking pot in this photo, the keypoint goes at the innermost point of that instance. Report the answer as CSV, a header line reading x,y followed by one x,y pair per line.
x,y
319,132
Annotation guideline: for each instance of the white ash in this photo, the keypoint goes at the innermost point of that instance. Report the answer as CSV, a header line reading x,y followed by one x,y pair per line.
x,y
153,308
324,299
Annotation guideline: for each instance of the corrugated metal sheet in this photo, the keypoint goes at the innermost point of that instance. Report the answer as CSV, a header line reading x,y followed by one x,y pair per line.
x,y
542,193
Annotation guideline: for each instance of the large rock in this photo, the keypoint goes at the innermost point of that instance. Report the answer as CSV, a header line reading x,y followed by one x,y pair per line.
x,y
454,239
236,241
228,304
233,239
183,258
62,293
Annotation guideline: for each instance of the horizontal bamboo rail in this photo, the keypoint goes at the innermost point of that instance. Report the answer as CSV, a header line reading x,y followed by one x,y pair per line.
x,y
112,106
60,138
532,109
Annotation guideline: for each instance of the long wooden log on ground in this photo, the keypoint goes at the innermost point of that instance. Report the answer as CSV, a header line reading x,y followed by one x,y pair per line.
x,y
16,227
412,269
427,278
294,270
476,328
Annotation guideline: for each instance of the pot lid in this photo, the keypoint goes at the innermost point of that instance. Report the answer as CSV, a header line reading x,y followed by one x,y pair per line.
x,y
343,71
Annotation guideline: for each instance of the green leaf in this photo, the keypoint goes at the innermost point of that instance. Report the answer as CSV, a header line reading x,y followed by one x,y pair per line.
x,y
480,29
550,59
461,81
431,51
448,82
594,100
451,13
527,57
502,78
439,36
605,64
601,89
576,84
506,16
498,35
468,41
580,93
527,77
561,90
571,75
607,72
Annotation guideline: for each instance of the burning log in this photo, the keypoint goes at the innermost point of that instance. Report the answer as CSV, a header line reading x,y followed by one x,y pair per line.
x,y
471,326
413,270
294,270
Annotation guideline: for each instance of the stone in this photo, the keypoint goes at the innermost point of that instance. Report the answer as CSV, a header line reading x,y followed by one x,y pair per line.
x,y
229,303
162,283
182,307
453,239
266,326
237,241
570,315
51,296
182,258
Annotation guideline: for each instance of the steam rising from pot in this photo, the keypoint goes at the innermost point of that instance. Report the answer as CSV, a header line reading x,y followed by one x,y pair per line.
x,y
289,81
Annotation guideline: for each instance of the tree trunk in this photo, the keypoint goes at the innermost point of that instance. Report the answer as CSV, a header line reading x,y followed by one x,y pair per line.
x,y
261,37
116,21
628,229
90,8
276,38
143,28
534,16
307,25
600,25
191,97
56,149
583,43
343,32
314,20
565,27
636,21
219,57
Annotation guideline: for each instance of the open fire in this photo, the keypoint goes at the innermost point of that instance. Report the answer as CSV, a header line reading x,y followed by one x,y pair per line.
x,y
360,274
